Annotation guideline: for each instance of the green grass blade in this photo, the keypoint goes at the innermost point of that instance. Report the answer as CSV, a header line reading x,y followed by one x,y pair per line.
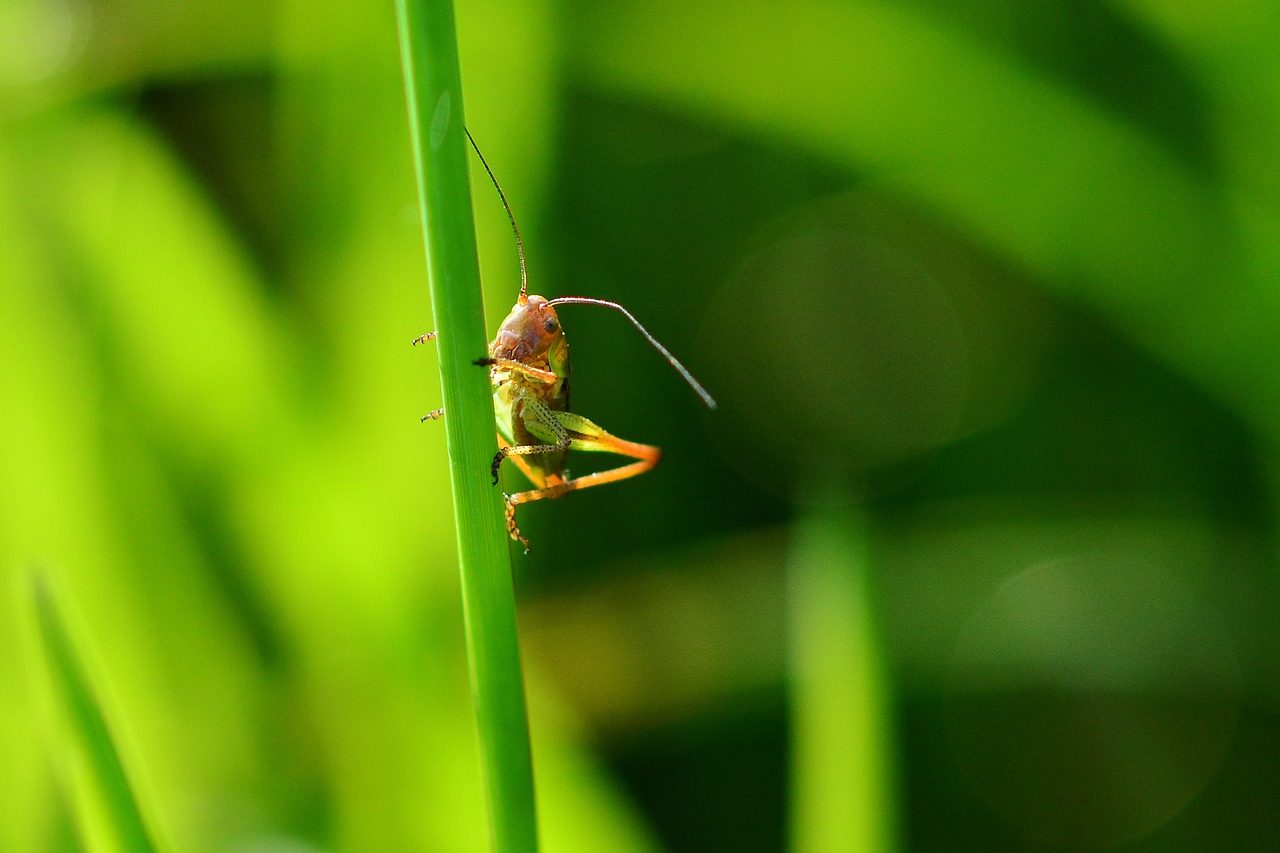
x,y
842,797
95,782
428,47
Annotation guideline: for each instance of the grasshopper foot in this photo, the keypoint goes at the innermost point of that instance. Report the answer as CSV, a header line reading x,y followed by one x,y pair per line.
x,y
512,530
497,460
422,339
434,415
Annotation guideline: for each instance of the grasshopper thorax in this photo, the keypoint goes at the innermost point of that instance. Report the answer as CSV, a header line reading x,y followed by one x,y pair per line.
x,y
531,333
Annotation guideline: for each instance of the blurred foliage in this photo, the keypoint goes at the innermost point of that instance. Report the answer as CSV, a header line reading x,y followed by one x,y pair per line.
x,y
89,761
1003,278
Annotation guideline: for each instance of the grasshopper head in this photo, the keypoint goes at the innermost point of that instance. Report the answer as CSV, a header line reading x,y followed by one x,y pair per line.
x,y
531,333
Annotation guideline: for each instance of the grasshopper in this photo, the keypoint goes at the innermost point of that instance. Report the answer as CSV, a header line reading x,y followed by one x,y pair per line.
x,y
528,365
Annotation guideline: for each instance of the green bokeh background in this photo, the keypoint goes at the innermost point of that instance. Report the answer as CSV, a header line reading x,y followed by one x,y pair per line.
x,y
978,553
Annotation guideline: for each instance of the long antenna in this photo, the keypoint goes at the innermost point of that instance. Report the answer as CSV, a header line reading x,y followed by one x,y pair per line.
x,y
524,279
680,368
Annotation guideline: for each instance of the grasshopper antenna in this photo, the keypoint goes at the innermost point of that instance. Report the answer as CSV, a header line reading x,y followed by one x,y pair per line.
x,y
680,368
524,279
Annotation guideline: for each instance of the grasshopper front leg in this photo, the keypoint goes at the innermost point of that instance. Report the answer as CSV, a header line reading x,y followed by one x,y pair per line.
x,y
434,414
520,367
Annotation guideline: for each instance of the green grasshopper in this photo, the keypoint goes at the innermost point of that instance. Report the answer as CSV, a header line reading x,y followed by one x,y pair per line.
x,y
528,364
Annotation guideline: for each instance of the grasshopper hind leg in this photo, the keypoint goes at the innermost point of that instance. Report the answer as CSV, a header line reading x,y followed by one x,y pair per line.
x,y
513,530
581,434
539,478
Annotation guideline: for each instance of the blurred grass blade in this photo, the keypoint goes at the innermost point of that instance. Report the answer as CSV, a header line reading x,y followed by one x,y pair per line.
x,y
1118,222
429,52
842,789
95,782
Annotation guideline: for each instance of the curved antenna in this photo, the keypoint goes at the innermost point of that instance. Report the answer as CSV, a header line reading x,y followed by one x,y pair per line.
x,y
524,279
680,368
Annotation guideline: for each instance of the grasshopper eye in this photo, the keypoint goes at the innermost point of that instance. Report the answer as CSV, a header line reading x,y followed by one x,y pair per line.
x,y
551,325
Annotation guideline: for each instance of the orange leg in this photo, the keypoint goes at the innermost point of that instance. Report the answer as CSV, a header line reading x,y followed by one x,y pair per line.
x,y
566,431
551,486
647,457
538,478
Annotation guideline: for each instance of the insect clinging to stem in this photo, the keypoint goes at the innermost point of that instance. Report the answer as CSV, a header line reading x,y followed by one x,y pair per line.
x,y
528,363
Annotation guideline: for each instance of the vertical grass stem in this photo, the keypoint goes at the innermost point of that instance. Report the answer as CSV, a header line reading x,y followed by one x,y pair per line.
x,y
428,47
842,755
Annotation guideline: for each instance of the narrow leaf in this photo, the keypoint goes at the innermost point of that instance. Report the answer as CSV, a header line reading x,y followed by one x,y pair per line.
x,y
433,87
841,744
95,781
